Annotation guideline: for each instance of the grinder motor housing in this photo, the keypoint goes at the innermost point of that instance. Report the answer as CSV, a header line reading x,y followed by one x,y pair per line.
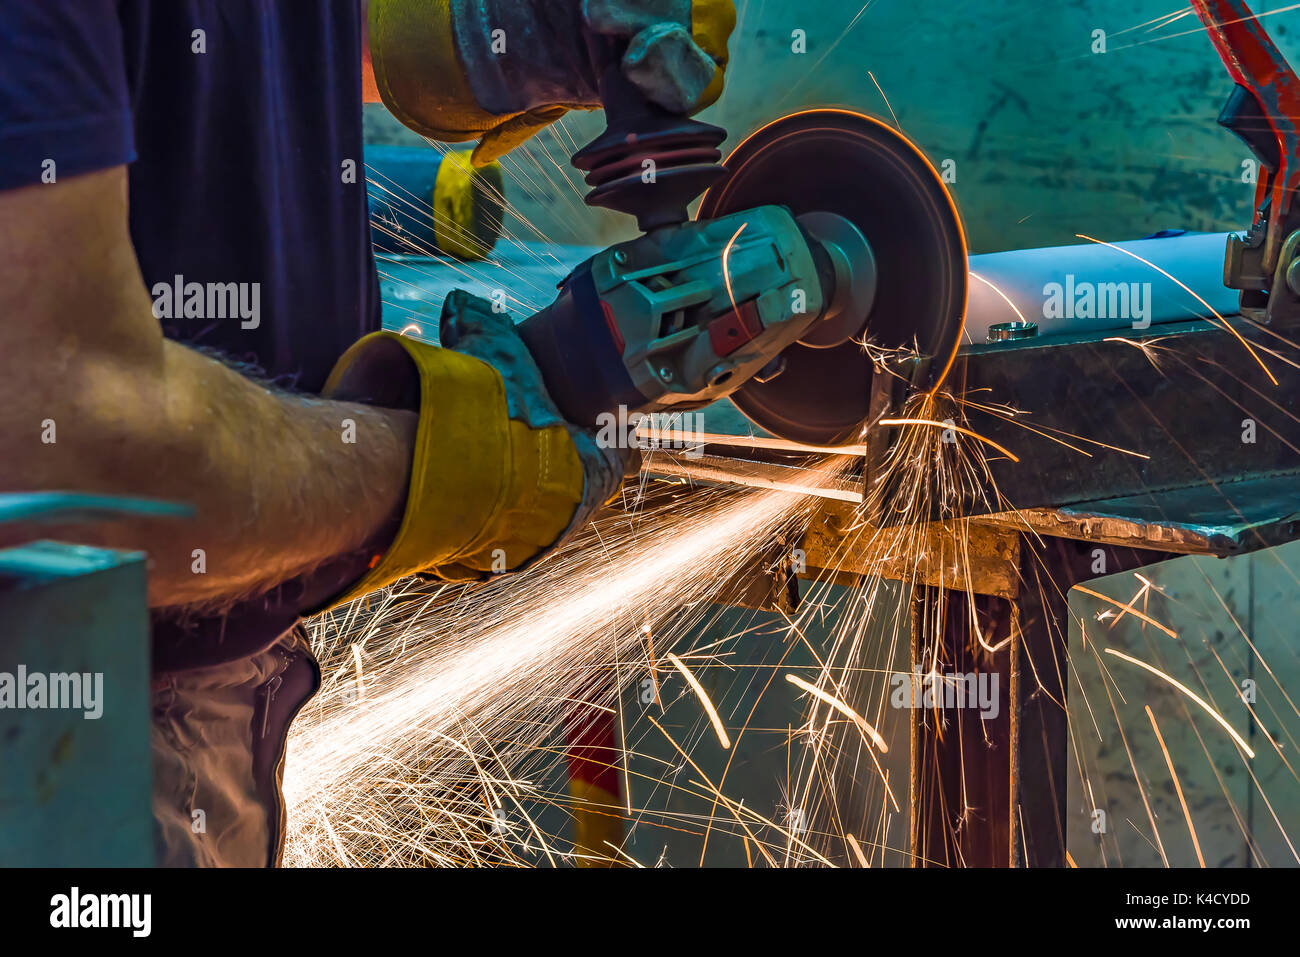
x,y
686,314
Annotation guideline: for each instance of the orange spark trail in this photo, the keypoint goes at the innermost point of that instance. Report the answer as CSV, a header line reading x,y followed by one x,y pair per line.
x,y
711,711
1177,786
1241,742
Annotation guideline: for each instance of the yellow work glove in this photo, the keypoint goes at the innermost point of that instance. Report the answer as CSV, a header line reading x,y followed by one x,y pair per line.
x,y
500,70
498,476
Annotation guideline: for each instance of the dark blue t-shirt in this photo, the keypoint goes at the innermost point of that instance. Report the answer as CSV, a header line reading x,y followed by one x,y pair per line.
x,y
241,122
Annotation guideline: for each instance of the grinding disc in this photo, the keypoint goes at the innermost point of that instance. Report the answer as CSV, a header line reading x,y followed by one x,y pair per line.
x,y
835,161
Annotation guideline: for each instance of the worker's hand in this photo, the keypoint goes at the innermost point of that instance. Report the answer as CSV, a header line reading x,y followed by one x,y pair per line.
x,y
500,70
472,326
498,477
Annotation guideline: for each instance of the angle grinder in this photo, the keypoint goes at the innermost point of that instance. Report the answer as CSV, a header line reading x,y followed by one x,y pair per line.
x,y
824,230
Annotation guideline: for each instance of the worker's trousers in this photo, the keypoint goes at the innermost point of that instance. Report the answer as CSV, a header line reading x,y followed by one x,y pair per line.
x,y
218,756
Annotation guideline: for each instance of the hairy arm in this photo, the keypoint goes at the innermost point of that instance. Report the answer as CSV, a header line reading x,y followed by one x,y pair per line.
x,y
277,489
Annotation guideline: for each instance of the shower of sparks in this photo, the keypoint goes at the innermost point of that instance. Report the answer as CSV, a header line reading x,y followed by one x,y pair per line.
x,y
460,686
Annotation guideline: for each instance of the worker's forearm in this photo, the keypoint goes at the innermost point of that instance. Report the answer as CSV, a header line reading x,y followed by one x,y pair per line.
x,y
95,399
281,483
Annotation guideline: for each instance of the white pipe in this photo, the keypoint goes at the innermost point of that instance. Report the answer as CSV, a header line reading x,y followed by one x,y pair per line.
x,y
1094,287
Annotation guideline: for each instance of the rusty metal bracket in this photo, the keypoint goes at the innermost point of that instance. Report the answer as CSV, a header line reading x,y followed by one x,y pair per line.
x,y
980,559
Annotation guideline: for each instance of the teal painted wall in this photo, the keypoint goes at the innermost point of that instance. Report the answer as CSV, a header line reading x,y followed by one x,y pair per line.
x,y
1049,139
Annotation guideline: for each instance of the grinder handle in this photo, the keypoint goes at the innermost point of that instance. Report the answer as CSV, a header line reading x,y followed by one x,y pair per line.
x,y
628,111
577,345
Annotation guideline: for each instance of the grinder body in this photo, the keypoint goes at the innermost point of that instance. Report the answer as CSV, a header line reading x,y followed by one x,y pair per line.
x,y
821,232
681,316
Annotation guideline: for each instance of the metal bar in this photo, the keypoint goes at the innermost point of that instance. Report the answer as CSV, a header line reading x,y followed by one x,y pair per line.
x,y
685,438
70,507
1227,519
1050,568
722,470
976,558
1016,854
1103,418
916,610
963,804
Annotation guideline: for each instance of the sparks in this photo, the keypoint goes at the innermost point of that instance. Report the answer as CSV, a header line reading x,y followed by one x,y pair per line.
x,y
1232,732
711,711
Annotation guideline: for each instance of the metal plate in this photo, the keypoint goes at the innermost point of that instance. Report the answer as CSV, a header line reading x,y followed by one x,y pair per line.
x,y
1222,519
1105,417
857,167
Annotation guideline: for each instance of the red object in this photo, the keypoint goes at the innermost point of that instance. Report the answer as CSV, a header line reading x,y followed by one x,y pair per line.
x,y
614,332
591,738
730,331
593,751
1255,63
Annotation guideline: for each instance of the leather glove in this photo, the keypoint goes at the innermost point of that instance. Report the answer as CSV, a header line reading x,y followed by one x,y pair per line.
x,y
471,326
500,70
498,477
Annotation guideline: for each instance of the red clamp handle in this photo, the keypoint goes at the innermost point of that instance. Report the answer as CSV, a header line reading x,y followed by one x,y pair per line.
x,y
1256,64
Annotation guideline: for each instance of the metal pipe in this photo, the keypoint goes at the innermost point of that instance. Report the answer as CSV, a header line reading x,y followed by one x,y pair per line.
x,y
1095,287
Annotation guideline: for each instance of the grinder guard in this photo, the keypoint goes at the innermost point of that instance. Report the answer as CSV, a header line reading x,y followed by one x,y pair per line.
x,y
853,166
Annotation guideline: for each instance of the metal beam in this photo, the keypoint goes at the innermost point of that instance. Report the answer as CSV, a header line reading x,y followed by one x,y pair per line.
x,y
1104,418
980,559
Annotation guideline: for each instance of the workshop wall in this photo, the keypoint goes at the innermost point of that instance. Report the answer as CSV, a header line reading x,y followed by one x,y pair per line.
x,y
1046,137
1234,622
